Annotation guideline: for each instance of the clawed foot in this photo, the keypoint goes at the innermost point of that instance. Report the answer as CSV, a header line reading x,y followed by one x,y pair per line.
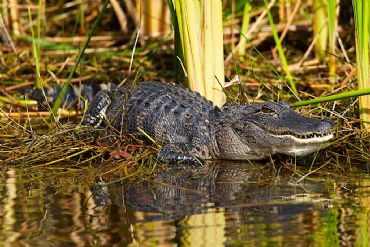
x,y
95,114
168,154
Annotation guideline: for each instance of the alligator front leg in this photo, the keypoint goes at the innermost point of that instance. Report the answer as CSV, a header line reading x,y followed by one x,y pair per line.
x,y
177,153
95,114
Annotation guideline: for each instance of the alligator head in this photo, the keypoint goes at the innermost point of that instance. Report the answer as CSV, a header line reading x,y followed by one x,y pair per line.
x,y
260,130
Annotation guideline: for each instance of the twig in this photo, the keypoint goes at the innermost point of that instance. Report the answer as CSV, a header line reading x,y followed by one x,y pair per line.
x,y
133,50
122,20
251,30
290,20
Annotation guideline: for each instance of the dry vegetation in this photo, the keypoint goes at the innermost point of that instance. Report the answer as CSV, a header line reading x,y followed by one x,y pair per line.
x,y
28,140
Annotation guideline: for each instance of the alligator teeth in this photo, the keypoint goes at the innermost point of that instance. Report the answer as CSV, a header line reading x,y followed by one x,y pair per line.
x,y
312,138
301,136
308,136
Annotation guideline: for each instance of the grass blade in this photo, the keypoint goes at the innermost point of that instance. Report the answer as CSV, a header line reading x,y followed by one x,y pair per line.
x,y
177,42
281,52
244,29
59,100
340,96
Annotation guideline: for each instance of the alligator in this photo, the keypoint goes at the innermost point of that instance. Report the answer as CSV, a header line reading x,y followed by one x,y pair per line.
x,y
190,128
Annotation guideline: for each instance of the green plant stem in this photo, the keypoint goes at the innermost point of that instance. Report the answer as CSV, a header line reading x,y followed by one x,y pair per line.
x,y
340,96
78,59
244,29
177,43
281,52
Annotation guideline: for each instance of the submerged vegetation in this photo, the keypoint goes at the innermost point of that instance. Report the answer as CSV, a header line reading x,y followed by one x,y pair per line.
x,y
272,51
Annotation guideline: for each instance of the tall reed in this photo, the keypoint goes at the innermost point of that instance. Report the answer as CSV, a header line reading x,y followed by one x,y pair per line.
x,y
362,18
154,17
320,27
332,29
201,33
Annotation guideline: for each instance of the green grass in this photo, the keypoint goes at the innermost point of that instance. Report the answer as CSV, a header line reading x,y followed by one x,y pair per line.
x,y
47,44
340,96
178,52
244,29
282,56
78,59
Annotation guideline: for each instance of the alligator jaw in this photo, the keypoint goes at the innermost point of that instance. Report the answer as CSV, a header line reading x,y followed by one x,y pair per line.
x,y
303,146
315,139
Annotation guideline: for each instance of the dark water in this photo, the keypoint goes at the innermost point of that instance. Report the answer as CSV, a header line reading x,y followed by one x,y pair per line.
x,y
214,205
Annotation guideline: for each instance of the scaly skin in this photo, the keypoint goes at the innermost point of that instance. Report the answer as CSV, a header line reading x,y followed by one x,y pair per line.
x,y
190,128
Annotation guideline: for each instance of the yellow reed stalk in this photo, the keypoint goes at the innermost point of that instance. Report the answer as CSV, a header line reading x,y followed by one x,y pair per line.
x,y
332,26
189,28
207,44
155,17
218,54
14,15
320,27
362,21
201,32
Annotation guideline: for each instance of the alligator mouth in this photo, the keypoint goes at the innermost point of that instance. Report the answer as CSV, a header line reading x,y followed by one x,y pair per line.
x,y
306,137
302,144
297,144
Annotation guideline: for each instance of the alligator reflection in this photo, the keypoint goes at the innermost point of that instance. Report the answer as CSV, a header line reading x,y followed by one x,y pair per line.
x,y
179,191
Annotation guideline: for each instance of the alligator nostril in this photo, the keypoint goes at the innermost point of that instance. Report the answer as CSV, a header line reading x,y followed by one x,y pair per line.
x,y
326,125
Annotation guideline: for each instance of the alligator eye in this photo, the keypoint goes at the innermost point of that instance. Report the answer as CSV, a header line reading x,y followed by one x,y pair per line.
x,y
267,110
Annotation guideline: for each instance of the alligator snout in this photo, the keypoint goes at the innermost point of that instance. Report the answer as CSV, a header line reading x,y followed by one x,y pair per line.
x,y
326,125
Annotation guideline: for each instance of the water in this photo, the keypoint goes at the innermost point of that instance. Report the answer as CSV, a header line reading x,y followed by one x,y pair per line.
x,y
214,205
